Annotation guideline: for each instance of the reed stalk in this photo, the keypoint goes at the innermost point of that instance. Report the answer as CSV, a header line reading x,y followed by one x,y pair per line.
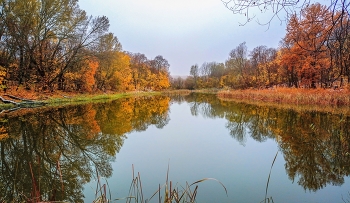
x,y
323,97
172,194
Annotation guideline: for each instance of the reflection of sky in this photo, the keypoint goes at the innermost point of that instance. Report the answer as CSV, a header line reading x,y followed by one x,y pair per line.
x,y
198,147
183,32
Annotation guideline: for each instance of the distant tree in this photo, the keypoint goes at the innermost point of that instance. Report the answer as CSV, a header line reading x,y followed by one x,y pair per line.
x,y
160,70
190,83
262,61
195,74
149,74
177,83
236,67
160,64
138,63
211,74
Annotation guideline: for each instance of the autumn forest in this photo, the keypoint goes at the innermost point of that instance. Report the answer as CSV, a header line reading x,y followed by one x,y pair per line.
x,y
314,53
54,45
80,116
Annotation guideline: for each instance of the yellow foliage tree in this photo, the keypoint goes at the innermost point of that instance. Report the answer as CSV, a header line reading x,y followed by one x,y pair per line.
x,y
114,73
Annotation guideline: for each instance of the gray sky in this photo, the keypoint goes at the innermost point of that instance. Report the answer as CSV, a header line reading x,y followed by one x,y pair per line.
x,y
185,32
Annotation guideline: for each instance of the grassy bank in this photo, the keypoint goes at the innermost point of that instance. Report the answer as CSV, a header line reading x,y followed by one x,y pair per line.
x,y
87,98
292,96
286,96
62,98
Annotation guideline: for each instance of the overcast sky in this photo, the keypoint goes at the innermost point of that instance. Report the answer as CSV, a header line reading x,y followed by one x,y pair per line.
x,y
185,32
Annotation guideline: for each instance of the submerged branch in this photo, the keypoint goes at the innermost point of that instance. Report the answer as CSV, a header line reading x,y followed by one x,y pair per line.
x,y
10,110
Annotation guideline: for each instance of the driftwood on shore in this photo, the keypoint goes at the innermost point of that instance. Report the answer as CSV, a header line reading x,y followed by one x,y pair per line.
x,y
24,103
18,98
8,101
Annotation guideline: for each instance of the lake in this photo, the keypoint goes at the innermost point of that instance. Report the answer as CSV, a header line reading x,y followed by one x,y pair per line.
x,y
254,151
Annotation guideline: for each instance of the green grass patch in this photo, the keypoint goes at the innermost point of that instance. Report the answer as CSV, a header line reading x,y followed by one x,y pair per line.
x,y
64,100
86,98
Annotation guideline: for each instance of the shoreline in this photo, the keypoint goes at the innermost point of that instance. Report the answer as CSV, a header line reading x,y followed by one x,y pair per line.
x,y
319,99
66,98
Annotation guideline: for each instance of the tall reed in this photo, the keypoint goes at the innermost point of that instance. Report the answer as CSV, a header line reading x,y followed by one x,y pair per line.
x,y
268,181
339,97
171,194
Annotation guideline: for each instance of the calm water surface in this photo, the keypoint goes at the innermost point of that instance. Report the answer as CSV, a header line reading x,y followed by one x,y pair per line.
x,y
58,152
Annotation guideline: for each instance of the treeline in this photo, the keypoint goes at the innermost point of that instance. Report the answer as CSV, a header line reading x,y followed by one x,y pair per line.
x,y
48,45
315,52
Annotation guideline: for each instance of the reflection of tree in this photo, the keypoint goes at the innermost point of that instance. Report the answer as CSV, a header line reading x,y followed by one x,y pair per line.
x,y
45,147
126,115
178,98
151,111
241,122
316,149
237,127
50,154
207,105
316,146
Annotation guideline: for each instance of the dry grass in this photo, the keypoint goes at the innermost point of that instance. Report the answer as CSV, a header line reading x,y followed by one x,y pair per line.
x,y
320,97
177,92
173,193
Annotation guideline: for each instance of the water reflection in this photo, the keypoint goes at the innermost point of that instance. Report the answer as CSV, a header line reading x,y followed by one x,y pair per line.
x,y
49,154
315,145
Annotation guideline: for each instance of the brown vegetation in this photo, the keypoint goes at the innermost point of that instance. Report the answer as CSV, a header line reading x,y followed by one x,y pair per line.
x,y
298,96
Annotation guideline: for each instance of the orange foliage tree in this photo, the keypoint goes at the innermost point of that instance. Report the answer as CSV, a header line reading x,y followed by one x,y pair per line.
x,y
87,75
306,53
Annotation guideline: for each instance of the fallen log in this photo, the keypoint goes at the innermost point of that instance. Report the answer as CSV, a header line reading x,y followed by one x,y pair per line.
x,y
26,103
18,98
9,101
23,104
